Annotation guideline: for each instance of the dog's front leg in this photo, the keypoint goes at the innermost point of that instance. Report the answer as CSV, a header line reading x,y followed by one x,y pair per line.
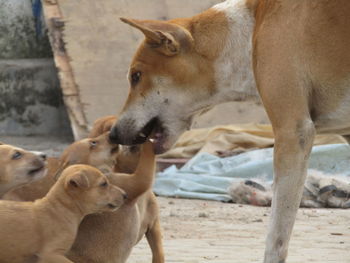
x,y
292,148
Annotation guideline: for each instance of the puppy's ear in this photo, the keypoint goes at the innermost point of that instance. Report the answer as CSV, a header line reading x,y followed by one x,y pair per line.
x,y
78,180
1,143
164,37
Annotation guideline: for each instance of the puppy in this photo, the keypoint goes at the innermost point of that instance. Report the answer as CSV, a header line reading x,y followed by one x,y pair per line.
x,y
128,156
44,230
97,152
110,237
102,125
19,167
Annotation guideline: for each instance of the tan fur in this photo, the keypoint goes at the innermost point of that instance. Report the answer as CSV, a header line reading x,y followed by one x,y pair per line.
x,y
44,230
102,125
299,54
16,165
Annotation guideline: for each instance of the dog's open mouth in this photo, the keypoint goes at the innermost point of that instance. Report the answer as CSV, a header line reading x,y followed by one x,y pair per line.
x,y
155,131
35,171
114,149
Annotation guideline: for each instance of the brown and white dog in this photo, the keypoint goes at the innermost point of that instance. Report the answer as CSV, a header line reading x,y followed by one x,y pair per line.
x,y
19,167
295,53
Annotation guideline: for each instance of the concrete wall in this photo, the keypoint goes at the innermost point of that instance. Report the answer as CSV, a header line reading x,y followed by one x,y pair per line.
x,y
30,97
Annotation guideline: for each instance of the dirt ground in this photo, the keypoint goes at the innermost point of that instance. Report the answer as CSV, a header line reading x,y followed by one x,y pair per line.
x,y
197,231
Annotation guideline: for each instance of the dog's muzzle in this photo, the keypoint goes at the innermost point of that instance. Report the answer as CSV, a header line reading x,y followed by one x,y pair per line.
x,y
121,134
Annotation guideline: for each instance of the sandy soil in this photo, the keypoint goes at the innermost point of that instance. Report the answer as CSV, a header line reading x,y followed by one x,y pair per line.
x,y
206,231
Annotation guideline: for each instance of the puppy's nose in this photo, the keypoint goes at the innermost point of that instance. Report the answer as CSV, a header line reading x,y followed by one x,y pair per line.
x,y
125,196
40,154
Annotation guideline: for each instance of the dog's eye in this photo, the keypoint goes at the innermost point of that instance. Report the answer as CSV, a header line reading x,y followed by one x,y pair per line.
x,y
93,144
135,78
104,184
16,156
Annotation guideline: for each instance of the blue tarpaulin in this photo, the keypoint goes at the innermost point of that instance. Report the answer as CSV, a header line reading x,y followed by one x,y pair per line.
x,y
208,177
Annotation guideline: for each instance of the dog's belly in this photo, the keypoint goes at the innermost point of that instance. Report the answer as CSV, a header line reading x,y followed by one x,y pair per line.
x,y
331,113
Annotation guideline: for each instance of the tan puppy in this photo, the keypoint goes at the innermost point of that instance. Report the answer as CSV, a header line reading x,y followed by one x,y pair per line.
x,y
128,156
295,53
102,125
110,237
44,230
97,152
19,167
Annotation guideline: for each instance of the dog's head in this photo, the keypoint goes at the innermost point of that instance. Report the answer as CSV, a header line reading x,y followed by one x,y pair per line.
x,y
19,166
91,189
170,82
98,152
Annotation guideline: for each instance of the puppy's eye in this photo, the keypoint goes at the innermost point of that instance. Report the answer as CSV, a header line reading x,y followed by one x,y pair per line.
x,y
135,78
93,144
104,184
16,156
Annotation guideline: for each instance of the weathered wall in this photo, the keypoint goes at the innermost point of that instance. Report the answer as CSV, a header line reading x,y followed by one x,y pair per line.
x,y
31,100
30,96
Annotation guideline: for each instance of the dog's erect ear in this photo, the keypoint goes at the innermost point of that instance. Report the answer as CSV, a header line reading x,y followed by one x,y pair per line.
x,y
78,180
165,37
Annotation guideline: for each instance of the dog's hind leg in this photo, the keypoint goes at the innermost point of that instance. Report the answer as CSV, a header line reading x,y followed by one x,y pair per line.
x,y
154,238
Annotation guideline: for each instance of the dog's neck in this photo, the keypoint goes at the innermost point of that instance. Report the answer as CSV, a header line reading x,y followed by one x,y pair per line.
x,y
57,201
230,42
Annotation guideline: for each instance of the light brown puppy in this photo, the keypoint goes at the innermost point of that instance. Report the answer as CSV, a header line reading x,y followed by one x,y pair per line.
x,y
19,167
110,237
44,230
102,125
128,156
97,152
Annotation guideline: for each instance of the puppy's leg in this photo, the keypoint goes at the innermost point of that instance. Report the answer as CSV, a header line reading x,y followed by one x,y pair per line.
x,y
53,259
154,238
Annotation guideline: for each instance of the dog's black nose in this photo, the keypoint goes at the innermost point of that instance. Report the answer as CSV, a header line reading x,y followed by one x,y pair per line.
x,y
113,136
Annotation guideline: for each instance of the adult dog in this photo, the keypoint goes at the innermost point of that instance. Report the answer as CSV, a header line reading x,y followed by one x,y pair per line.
x,y
295,52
